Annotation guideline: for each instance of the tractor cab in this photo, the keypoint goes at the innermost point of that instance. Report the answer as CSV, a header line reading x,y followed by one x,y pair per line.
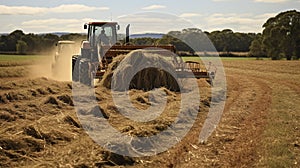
x,y
101,36
104,33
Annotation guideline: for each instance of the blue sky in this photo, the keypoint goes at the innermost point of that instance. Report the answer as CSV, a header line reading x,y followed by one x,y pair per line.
x,y
36,16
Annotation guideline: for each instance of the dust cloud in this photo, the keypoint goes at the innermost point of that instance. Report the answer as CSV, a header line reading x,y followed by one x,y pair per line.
x,y
57,65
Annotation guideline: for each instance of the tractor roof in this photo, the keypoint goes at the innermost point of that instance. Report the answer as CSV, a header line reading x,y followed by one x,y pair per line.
x,y
66,42
102,23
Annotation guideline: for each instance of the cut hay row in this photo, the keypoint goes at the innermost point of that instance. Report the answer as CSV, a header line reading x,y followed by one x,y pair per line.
x,y
124,67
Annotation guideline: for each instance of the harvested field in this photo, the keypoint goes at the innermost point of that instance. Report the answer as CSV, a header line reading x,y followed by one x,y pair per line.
x,y
259,128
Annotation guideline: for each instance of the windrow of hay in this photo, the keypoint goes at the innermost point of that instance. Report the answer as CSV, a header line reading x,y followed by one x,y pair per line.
x,y
14,71
148,75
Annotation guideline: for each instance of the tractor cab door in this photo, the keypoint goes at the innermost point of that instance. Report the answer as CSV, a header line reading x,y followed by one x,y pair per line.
x,y
104,36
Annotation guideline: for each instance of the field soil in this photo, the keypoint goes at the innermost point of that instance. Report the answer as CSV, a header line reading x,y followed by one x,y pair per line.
x,y
259,127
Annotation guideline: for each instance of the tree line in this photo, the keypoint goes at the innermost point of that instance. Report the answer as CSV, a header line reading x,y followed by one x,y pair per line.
x,y
224,41
21,43
194,40
280,39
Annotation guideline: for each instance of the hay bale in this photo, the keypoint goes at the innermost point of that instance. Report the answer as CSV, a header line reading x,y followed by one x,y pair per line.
x,y
146,78
106,81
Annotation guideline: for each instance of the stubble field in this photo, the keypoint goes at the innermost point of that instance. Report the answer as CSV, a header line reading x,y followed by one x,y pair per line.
x,y
259,127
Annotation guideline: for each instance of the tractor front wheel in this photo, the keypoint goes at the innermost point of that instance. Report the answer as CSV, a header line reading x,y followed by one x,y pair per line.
x,y
85,72
81,70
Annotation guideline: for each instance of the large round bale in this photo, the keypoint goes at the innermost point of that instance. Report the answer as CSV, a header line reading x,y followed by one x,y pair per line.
x,y
140,69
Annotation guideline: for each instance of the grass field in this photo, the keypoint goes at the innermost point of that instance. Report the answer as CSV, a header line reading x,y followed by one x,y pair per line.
x,y
19,60
196,58
14,58
279,83
4,57
18,65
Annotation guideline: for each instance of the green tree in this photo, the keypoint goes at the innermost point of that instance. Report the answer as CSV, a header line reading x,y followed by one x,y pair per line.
x,y
256,48
143,41
32,41
175,40
73,37
281,35
12,39
49,40
21,47
3,40
229,41
188,41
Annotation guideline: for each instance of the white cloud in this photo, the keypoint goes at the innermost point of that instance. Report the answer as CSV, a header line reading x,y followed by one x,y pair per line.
x,y
265,16
27,10
240,22
152,22
73,8
20,10
153,7
156,22
187,15
271,1
222,0
235,21
55,25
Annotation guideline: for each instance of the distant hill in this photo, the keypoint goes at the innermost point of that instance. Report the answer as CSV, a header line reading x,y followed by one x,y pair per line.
x,y
61,33
132,36
55,33
149,35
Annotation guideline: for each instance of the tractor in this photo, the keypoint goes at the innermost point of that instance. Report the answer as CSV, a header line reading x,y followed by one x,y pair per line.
x,y
101,46
61,59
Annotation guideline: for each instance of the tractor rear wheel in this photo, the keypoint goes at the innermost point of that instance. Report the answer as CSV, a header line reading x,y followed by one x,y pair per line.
x,y
75,68
81,70
85,72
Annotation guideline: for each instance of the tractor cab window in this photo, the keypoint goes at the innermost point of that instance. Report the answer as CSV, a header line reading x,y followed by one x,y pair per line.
x,y
104,34
108,31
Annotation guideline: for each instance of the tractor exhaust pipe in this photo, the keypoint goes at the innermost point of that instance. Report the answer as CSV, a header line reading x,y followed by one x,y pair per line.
x,y
127,34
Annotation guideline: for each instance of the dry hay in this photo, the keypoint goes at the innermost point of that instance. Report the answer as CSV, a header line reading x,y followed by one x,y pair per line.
x,y
40,127
66,99
146,79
